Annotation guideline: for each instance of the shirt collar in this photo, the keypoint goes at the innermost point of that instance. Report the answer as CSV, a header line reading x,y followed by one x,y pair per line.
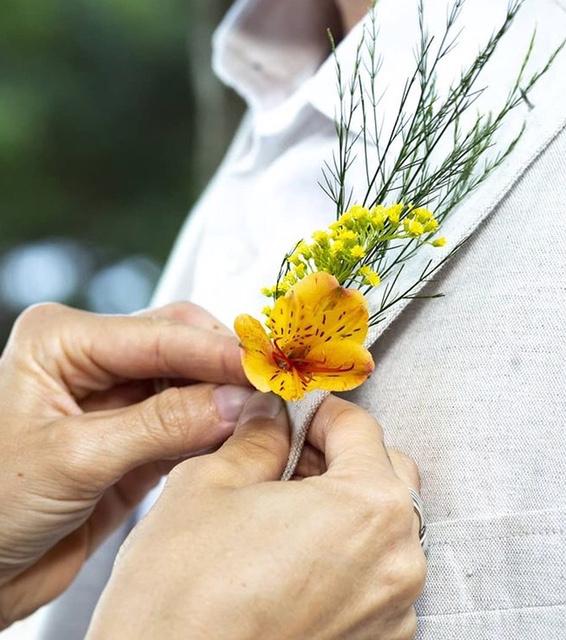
x,y
267,50
275,53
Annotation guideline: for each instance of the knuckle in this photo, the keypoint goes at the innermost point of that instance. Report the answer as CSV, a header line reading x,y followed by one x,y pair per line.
x,y
37,316
160,329
229,358
196,472
367,504
407,626
405,466
408,576
188,312
378,430
175,312
346,414
217,470
168,413
264,445
349,414
386,507
397,505
405,459
419,571
183,470
266,450
71,454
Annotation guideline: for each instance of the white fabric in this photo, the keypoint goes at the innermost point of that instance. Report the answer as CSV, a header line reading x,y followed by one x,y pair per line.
x,y
472,385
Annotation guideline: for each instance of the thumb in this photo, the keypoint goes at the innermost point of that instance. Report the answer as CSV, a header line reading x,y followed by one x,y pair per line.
x,y
258,449
100,447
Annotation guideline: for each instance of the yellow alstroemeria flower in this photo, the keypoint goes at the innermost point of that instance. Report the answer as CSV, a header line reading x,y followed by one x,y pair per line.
x,y
317,339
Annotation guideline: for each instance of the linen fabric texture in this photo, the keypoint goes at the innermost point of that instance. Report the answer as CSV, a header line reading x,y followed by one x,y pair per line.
x,y
470,385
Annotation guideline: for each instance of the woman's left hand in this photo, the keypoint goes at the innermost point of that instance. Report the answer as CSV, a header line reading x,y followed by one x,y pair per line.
x,y
84,437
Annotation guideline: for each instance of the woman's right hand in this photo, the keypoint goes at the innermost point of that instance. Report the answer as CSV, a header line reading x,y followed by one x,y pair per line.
x,y
230,552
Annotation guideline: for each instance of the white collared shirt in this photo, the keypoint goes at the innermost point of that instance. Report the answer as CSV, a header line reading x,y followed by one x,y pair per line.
x,y
472,385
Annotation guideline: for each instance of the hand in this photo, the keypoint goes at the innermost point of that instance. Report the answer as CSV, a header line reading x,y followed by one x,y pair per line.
x,y
83,438
229,553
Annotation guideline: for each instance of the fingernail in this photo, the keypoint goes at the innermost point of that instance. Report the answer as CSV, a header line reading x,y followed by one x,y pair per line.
x,y
264,406
230,400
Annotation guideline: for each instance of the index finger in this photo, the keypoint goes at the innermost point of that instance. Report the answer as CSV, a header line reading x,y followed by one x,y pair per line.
x,y
187,313
90,352
349,437
150,347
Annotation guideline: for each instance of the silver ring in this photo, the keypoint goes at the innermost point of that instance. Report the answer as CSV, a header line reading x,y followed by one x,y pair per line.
x,y
418,508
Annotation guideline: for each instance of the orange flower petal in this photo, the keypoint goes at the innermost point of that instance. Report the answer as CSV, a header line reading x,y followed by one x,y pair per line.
x,y
257,352
287,385
292,319
257,360
352,360
316,310
343,315
314,287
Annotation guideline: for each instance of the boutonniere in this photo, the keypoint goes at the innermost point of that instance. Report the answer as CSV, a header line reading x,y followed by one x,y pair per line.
x,y
318,316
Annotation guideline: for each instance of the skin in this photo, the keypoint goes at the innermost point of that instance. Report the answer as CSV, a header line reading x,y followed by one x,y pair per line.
x,y
83,437
333,555
352,11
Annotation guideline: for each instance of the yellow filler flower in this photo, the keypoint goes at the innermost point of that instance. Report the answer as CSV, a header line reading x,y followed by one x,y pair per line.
x,y
316,341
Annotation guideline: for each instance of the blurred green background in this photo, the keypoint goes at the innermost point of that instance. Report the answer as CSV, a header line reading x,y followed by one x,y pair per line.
x,y
110,124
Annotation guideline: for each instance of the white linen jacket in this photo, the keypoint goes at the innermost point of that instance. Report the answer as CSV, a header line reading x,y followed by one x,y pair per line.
x,y
472,385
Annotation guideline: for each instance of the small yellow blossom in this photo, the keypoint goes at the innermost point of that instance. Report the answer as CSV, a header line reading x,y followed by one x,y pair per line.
x,y
369,276
378,216
357,251
413,227
379,209
422,214
304,250
267,311
317,339
347,235
431,225
439,242
337,247
290,279
394,213
268,291
359,213
321,237
300,271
